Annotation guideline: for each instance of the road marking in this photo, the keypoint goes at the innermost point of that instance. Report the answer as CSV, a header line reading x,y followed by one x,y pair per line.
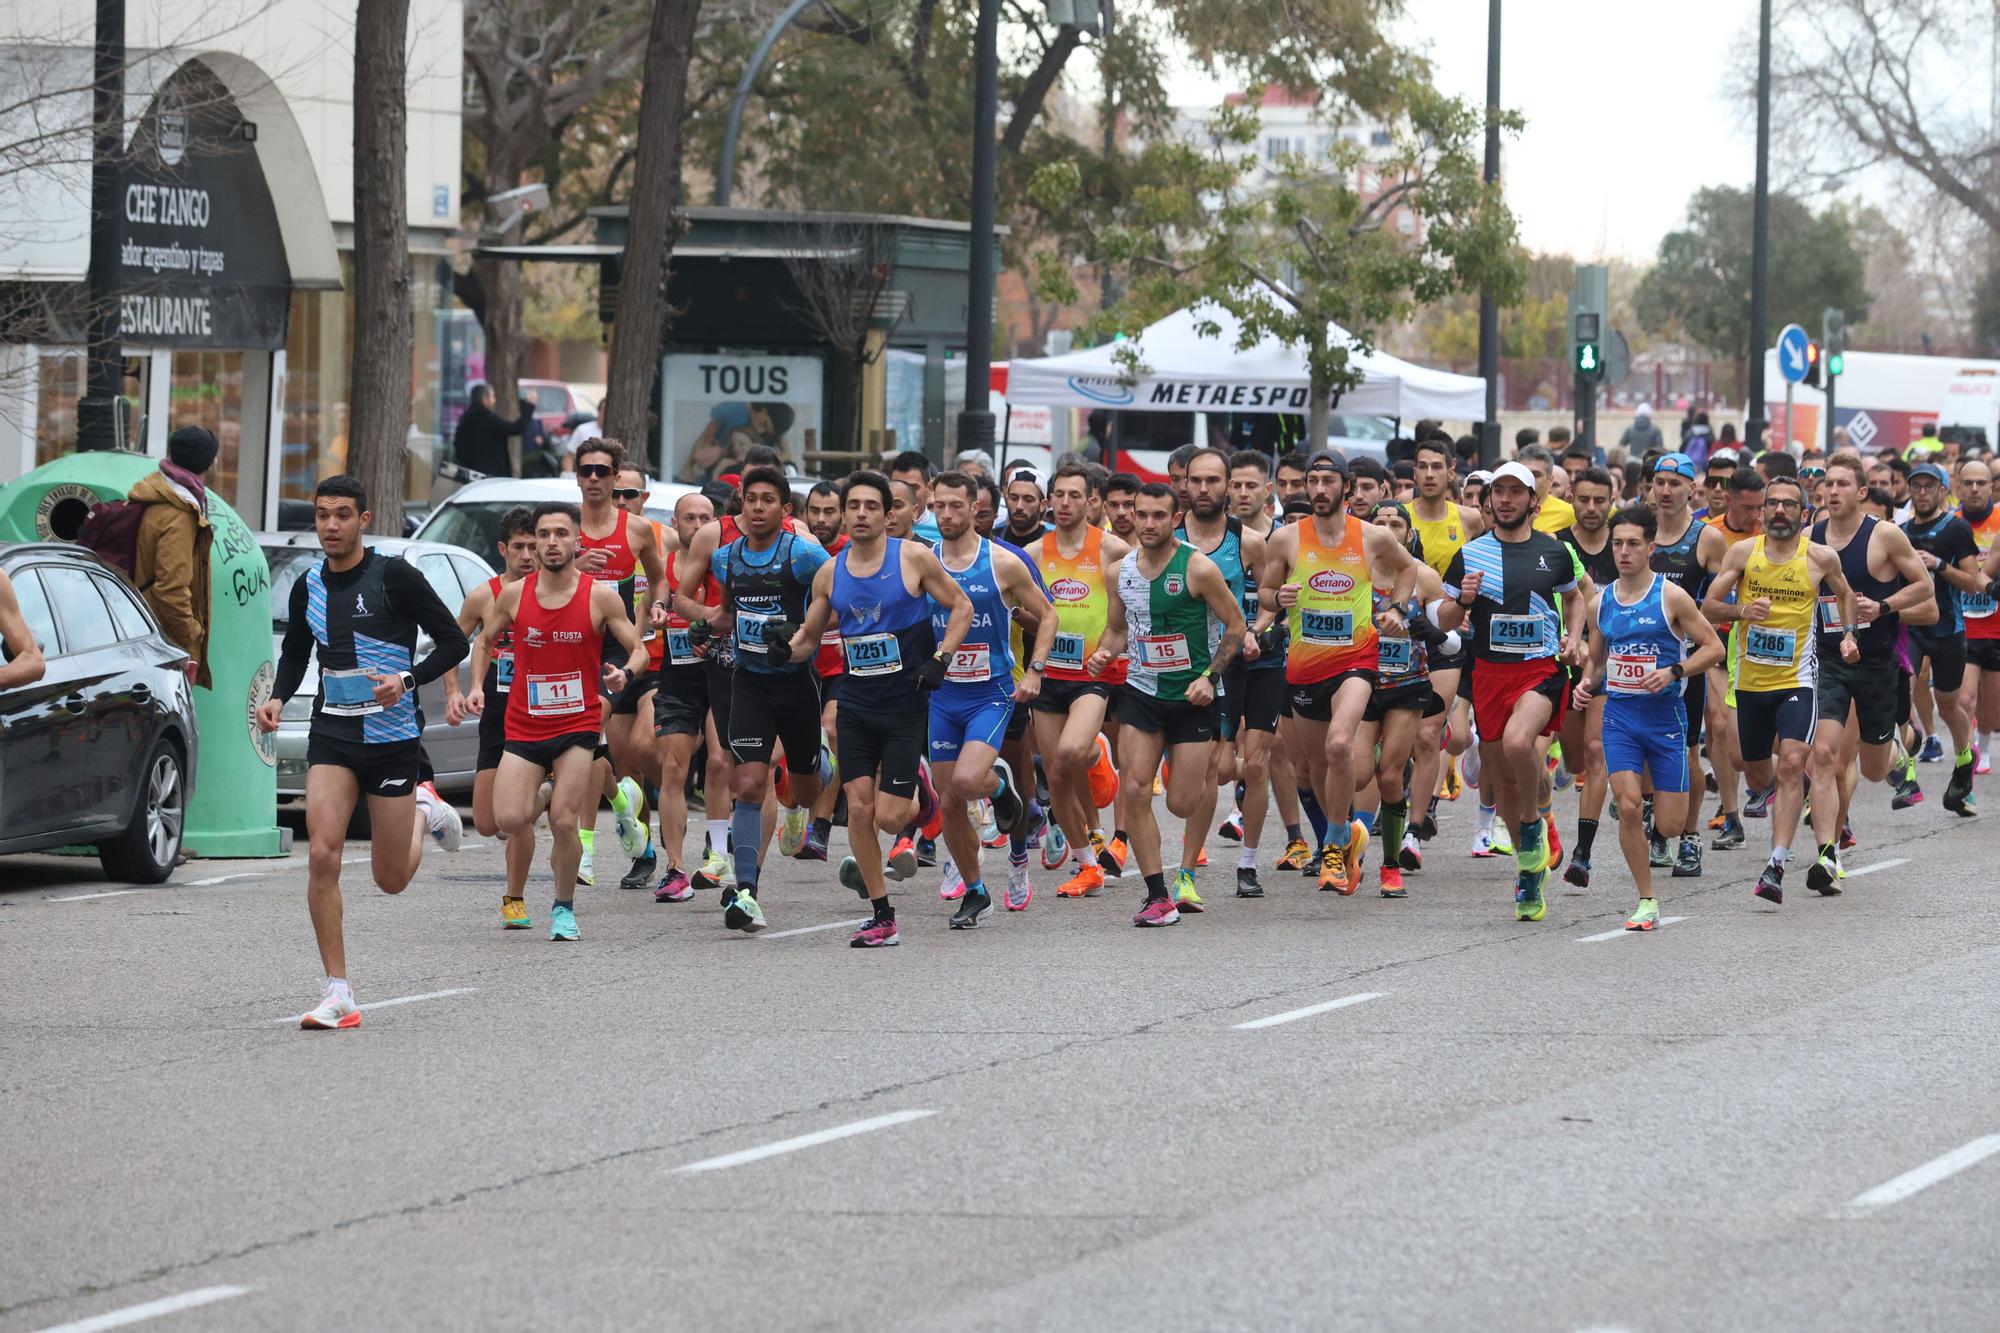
x,y
400,999
1621,931
1879,865
134,1314
808,930
86,897
783,1146
1927,1175
217,879
1307,1012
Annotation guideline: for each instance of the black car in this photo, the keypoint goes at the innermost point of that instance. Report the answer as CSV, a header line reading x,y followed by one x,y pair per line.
x,y
101,750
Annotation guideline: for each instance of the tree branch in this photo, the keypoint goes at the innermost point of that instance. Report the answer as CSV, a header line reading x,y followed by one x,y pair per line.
x,y
1035,91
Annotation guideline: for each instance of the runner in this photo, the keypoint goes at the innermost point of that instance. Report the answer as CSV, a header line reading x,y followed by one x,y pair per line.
x,y
970,711
1121,493
823,518
1640,625
1974,487
682,719
1945,543
1443,527
1017,748
1511,581
1323,572
1403,698
520,554
1688,551
1582,729
553,703
1025,518
1184,624
877,588
1890,586
1069,712
633,751
1741,518
358,613
1776,712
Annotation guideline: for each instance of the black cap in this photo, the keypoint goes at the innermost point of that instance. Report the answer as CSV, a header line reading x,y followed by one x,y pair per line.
x,y
1328,460
194,448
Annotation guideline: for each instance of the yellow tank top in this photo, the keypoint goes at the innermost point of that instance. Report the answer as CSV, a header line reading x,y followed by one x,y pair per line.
x,y
1332,626
1441,539
1778,654
1082,602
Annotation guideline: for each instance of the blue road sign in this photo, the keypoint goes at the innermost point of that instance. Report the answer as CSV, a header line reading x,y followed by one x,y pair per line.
x,y
1792,353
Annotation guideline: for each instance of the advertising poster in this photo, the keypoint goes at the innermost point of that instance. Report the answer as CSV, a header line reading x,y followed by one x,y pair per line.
x,y
715,405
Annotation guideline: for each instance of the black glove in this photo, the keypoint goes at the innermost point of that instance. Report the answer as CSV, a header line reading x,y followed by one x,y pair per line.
x,y
931,674
699,633
1424,631
778,636
1271,641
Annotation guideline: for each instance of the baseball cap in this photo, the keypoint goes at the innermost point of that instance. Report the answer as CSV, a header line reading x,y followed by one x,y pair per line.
x,y
1931,470
1518,471
1678,464
1328,460
1480,475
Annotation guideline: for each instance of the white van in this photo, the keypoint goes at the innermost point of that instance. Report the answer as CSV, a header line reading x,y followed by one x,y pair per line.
x,y
1972,403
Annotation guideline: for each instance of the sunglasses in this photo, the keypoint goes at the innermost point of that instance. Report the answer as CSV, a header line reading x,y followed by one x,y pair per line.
x,y
594,470
1811,473
622,493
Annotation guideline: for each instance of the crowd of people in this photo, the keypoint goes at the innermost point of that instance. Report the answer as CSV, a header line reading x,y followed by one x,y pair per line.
x,y
955,663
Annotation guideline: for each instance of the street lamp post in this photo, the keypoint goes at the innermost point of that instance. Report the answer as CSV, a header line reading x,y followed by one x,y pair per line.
x,y
975,418
97,411
1489,310
1760,233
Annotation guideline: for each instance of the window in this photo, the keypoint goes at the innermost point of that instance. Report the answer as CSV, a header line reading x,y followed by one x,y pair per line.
x,y
470,572
126,613
35,610
437,571
86,624
1379,139
288,564
1276,147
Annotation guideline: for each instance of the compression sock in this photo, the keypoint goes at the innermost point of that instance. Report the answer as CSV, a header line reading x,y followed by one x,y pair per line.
x,y
1309,802
1156,886
1395,818
745,831
1586,834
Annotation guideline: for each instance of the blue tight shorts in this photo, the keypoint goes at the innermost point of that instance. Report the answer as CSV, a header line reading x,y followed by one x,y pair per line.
x,y
961,714
1652,740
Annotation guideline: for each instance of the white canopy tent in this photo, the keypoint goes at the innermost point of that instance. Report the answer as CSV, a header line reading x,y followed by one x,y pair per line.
x,y
1187,371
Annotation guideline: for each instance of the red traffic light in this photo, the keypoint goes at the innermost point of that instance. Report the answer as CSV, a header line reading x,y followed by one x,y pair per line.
x,y
1812,363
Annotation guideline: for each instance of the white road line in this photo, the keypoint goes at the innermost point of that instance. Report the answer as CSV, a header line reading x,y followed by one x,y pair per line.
x,y
86,897
808,930
217,879
400,999
1310,1010
134,1314
1621,932
783,1146
1879,865
1927,1175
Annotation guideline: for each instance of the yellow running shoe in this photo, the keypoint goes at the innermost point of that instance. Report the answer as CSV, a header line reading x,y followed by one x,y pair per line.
x,y
1332,871
1297,855
1357,852
514,914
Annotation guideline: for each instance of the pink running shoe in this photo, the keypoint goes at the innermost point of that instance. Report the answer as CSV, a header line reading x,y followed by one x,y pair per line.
x,y
876,934
1157,912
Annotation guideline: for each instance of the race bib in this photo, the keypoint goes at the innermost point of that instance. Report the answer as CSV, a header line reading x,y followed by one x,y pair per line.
x,y
1829,617
1397,657
555,695
1626,672
830,639
750,632
1163,652
1515,634
348,694
1771,647
972,664
873,655
1977,605
503,671
1331,629
1067,651
680,648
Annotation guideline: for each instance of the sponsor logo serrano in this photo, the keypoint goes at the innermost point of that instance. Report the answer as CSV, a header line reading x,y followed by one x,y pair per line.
x,y
1069,590
1331,581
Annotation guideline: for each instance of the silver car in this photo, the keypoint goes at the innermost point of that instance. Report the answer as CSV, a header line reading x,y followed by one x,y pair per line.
x,y
470,517
452,572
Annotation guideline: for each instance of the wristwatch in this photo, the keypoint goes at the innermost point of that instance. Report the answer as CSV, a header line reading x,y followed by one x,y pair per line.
x,y
409,682
1038,665
1680,672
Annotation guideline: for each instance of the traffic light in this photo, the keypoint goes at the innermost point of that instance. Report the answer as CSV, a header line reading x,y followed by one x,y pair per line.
x,y
1589,359
1834,326
1836,363
1812,364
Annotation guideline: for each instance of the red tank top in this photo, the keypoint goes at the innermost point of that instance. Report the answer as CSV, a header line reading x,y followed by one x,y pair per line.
x,y
503,647
557,660
831,659
621,562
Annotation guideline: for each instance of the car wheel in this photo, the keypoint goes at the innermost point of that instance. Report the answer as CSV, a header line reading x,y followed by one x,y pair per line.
x,y
148,850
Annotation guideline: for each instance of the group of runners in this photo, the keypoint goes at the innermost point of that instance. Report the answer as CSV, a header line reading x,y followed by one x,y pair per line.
x,y
1329,637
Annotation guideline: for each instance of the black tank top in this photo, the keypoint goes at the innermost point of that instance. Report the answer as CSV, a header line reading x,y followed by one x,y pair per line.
x,y
1877,639
1681,562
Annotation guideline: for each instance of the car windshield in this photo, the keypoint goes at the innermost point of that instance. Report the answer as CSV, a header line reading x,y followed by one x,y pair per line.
x,y
475,526
288,566
551,399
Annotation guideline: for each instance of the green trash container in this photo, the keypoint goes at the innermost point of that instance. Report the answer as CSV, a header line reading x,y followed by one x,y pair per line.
x,y
234,808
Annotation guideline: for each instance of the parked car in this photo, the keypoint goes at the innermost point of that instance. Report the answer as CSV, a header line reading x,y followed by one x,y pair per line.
x,y
553,400
452,572
101,750
469,518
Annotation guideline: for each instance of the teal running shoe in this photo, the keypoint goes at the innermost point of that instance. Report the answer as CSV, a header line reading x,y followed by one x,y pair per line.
x,y
562,923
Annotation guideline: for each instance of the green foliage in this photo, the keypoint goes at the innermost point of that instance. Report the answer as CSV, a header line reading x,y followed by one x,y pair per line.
x,y
1700,288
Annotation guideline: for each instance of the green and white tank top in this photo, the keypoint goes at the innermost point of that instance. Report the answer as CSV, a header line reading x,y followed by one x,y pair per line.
x,y
1173,637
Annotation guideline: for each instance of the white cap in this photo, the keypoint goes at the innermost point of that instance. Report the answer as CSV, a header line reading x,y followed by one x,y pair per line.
x,y
1483,477
1518,471
1645,410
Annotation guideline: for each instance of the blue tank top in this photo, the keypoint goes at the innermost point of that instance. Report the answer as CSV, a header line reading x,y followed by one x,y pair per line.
x,y
1640,640
984,663
1228,557
885,633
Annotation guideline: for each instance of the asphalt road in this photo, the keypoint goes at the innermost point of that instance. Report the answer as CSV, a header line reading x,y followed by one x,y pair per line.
x,y
1752,1118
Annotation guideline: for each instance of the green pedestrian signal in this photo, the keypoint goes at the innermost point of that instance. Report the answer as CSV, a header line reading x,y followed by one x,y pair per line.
x,y
1589,359
1836,363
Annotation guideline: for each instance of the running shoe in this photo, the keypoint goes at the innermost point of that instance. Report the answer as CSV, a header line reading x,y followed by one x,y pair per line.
x,y
742,912
1008,805
1731,836
1412,855
1907,794
1468,764
1246,883
716,870
1688,864
1559,774
675,888
973,908
1979,764
877,934
1231,829
630,822
814,848
1452,787
1332,870
1103,776
336,1009
1055,848
562,924
1482,843
952,887
1357,854
850,876
1087,882
792,830
1658,855
1771,884
927,799
1111,854
1392,882
1503,840
989,827
1297,856
514,915
902,861
1185,896
641,874
1201,859
1847,838
926,852
781,782
1757,803
1157,912
1553,841
1428,829
1529,904
586,873
1958,792
1019,891
1932,752
443,822
1646,918
1903,770
1578,873
1718,820
1825,870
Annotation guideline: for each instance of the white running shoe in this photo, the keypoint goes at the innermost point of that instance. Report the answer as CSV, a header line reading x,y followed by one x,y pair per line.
x,y
951,884
1468,764
1482,843
336,1010
586,874
1019,892
983,820
631,823
792,834
446,826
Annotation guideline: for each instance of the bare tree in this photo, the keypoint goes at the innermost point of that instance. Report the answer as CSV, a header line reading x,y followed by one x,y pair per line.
x,y
656,221
383,336
842,269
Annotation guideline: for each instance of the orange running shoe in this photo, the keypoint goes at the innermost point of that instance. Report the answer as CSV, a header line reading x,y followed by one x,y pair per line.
x,y
781,782
1332,870
1088,882
1357,851
1103,777
1555,844
1201,858
1392,882
1117,853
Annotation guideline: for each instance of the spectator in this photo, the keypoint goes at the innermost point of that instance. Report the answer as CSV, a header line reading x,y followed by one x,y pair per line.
x,y
1642,434
539,456
1525,437
1095,446
1927,445
1727,438
975,463
170,558
1467,451
480,441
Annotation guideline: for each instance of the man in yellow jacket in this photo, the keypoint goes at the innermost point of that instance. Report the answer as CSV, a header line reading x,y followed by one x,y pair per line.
x,y
170,562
